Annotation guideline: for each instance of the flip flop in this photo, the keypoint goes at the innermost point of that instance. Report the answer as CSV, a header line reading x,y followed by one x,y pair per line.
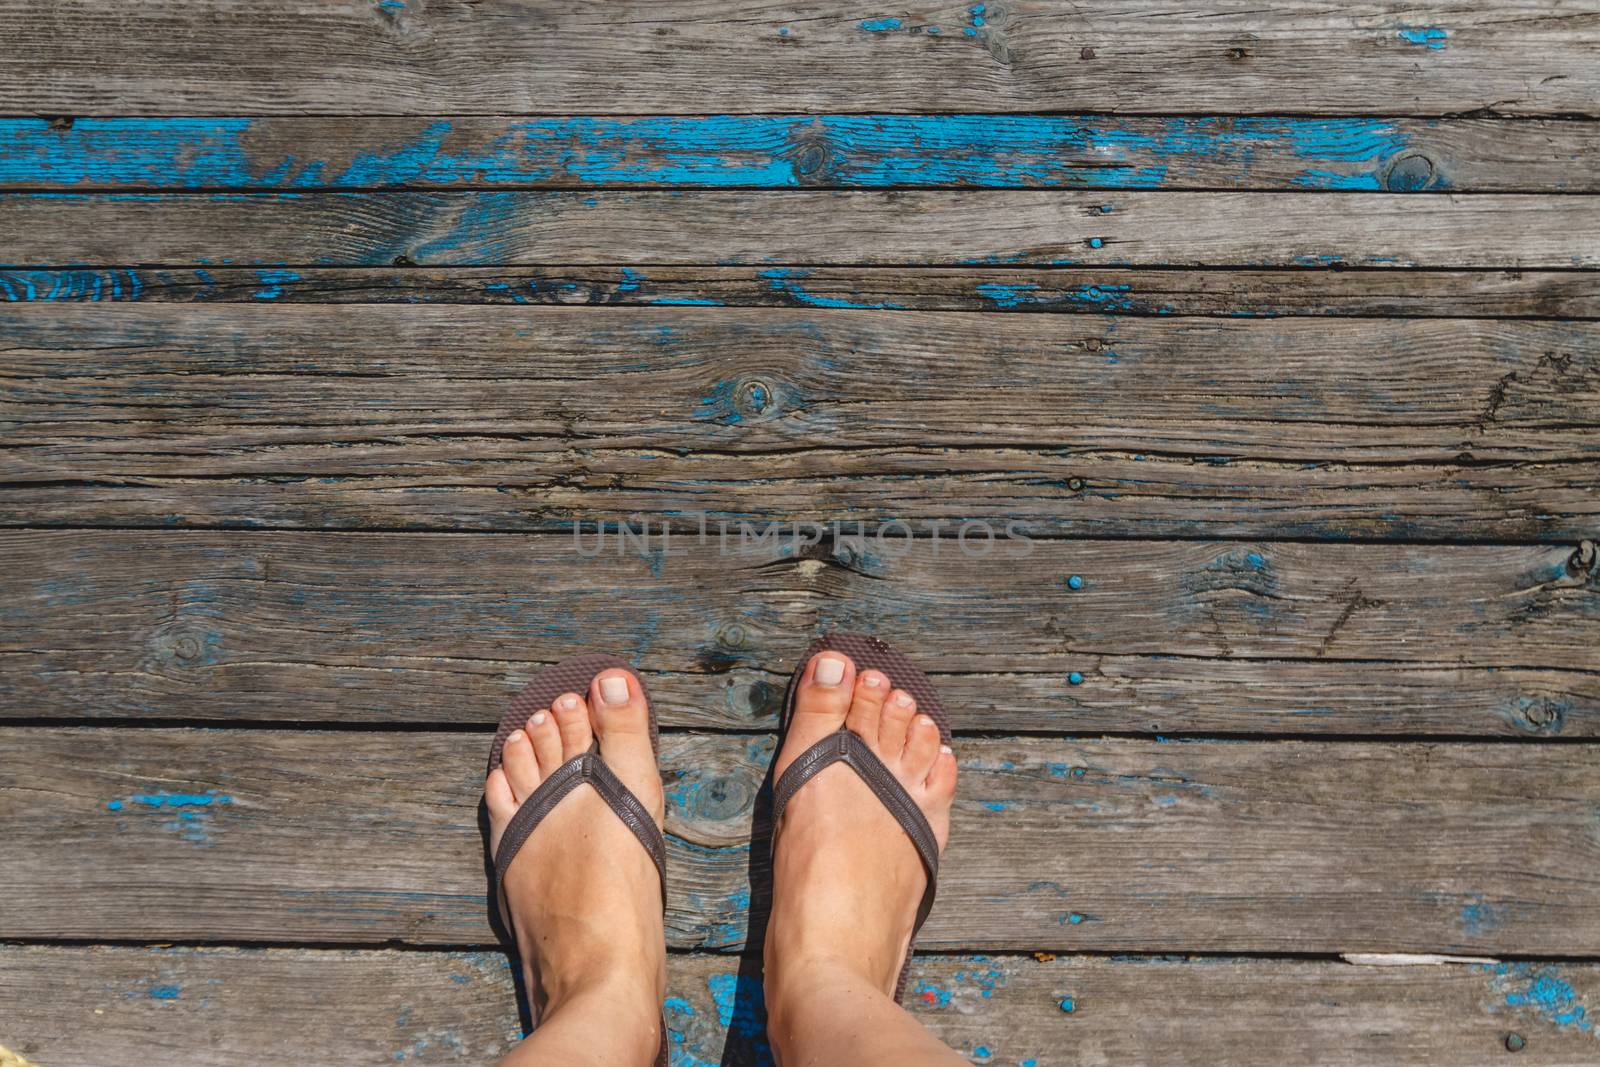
x,y
842,746
574,675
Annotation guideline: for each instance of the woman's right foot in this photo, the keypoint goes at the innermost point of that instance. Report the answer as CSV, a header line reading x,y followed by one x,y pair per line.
x,y
846,879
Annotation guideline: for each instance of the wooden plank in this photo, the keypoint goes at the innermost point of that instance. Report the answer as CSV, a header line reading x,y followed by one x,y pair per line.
x,y
811,151
164,57
862,228
1057,845
466,418
192,1007
1187,638
1082,290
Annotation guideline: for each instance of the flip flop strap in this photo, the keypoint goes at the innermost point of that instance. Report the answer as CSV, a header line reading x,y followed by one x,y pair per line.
x,y
842,746
590,768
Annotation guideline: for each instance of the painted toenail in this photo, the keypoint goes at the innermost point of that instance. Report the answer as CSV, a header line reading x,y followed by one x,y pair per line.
x,y
614,690
538,719
567,703
903,699
947,750
872,681
923,720
829,672
516,736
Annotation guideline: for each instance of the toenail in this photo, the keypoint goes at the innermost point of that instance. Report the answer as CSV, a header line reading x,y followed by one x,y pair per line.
x,y
903,699
947,750
871,681
614,690
516,735
923,720
568,702
538,719
829,672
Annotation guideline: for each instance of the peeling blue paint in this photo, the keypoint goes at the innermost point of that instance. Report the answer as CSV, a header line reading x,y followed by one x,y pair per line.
x,y
189,812
764,151
1540,989
1433,37
786,281
880,25
272,283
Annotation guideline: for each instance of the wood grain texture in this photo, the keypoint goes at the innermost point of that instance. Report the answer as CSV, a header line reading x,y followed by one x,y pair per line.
x,y
1056,845
499,418
1254,637
814,151
768,227
1083,290
689,56
191,1007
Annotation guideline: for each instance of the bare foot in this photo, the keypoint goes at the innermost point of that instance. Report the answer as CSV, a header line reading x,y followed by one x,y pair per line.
x,y
846,878
584,896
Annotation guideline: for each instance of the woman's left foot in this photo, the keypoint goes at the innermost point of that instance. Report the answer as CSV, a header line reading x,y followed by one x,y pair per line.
x,y
583,894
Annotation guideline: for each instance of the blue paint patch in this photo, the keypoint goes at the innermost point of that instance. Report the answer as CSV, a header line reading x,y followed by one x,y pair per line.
x,y
630,281
1480,917
880,25
1075,678
1068,1005
1006,296
678,1005
1096,242
1433,37
190,812
786,281
165,992
933,995
272,283
1541,989
995,805
1255,560
1075,582
742,1008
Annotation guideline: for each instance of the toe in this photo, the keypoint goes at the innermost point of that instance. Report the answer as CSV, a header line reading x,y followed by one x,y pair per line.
x,y
619,706
572,723
941,782
820,704
922,748
497,792
522,770
872,689
546,738
894,723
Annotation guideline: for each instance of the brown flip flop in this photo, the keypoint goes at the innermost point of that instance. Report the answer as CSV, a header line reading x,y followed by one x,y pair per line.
x,y
574,676
842,746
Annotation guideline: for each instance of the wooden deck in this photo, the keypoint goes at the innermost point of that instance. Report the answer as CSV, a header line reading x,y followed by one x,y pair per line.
x,y
323,326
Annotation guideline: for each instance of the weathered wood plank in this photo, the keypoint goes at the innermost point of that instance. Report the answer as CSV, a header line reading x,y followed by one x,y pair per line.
x,y
812,151
164,57
1183,638
1109,845
466,418
864,228
1117,291
203,1008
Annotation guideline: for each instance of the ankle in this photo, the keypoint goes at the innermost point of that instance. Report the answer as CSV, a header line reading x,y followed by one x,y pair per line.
x,y
630,990
620,1018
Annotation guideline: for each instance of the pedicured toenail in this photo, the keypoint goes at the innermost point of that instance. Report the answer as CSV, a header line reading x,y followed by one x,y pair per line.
x,y
872,681
829,672
568,702
947,750
517,737
614,690
538,719
923,720
903,699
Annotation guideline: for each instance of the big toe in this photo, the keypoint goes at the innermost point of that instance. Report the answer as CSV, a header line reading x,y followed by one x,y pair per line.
x,y
821,702
621,717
